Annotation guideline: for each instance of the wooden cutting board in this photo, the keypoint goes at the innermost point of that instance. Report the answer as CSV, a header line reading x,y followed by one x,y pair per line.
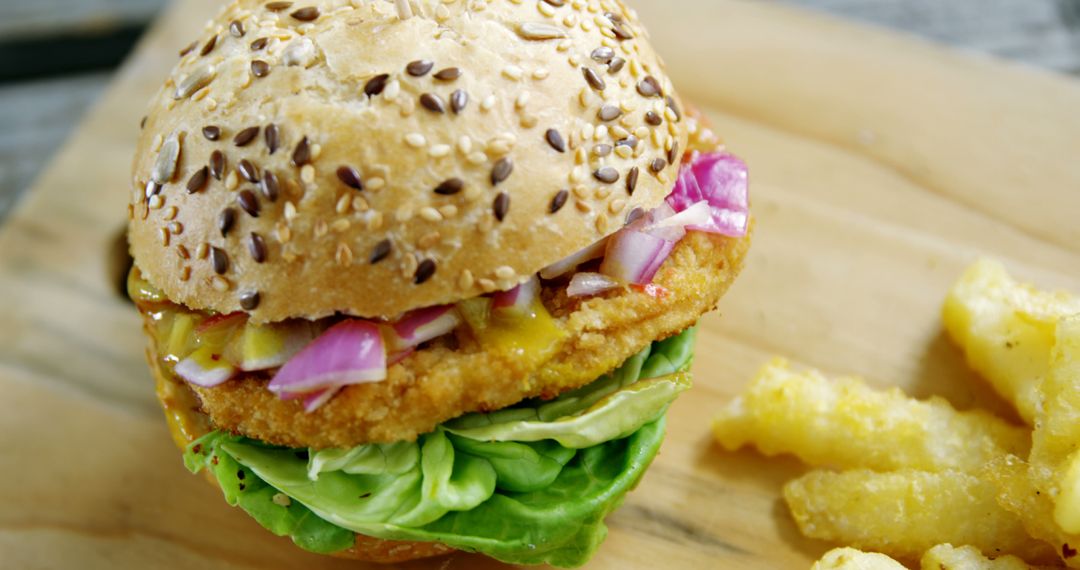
x,y
880,166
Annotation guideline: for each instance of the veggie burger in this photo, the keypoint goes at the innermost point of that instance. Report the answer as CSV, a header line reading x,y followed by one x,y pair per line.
x,y
421,276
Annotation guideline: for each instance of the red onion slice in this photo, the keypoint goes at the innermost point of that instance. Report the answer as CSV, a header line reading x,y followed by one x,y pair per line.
x,y
634,257
587,284
519,300
350,352
568,264
720,179
205,368
420,326
315,400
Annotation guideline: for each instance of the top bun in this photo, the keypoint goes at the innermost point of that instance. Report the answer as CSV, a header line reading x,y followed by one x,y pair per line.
x,y
370,157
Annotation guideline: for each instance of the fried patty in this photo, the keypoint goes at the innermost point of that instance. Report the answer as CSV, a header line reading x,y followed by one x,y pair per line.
x,y
441,382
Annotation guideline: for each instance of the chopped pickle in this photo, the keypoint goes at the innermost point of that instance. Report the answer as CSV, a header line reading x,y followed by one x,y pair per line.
x,y
181,337
254,344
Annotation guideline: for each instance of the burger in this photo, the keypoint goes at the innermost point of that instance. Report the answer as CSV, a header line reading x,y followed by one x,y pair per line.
x,y
423,276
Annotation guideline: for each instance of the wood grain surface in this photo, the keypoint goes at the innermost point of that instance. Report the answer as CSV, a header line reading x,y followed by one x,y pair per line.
x,y
881,166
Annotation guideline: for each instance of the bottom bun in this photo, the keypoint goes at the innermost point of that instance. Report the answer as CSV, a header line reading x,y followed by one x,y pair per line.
x,y
187,423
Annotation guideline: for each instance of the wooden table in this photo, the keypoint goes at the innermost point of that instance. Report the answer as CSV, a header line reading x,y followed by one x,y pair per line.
x,y
880,165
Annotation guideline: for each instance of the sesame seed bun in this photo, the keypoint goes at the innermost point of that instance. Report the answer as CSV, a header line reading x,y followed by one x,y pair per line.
x,y
375,157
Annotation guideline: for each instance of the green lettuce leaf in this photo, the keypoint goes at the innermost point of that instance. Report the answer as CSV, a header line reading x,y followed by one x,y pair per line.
x,y
612,417
270,507
538,497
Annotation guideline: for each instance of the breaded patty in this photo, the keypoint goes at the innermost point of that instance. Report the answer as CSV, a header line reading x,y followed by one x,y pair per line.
x,y
442,382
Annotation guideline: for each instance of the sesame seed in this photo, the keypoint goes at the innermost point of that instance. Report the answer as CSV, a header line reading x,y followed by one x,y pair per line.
x,y
198,180
476,158
247,200
593,79
602,54
416,140
156,202
555,3
501,206
257,247
487,285
219,260
539,31
197,80
631,180
249,301
185,273
208,46
248,170
259,44
673,154
450,187
559,201
433,103
448,74
236,28
376,85
616,65
269,186
307,174
260,68
165,165
513,72
430,214
343,203
658,165
211,132
653,119
404,9
321,228
555,140
343,255
488,103
458,101
607,175
219,283
217,164
602,150
376,183
617,206
502,170
307,14
244,137
505,272
420,67
522,100
424,271
182,252
226,220
272,136
380,252
630,141
623,151
350,177
650,87
188,48
439,150
278,6
609,113
232,180
163,235
302,154
466,280
171,213
674,108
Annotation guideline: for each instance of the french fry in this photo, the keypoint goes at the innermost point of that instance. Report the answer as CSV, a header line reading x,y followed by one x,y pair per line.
x,y
949,557
844,423
852,559
1006,330
907,512
1045,491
